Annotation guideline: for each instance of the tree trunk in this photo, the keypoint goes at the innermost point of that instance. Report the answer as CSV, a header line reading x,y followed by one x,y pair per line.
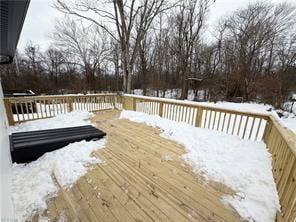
x,y
144,82
125,75
129,80
184,91
116,75
144,70
124,87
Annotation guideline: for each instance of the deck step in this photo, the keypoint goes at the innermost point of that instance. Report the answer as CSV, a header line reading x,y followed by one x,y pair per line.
x,y
29,146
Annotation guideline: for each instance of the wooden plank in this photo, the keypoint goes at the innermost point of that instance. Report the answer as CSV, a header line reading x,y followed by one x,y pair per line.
x,y
41,110
252,128
120,144
154,193
223,124
22,111
258,129
228,124
136,184
234,123
198,117
101,181
283,151
45,109
8,108
17,113
245,127
210,119
70,104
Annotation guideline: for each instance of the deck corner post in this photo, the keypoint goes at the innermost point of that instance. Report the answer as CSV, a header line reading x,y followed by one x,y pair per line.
x,y
160,109
9,114
198,117
134,104
267,130
70,104
123,102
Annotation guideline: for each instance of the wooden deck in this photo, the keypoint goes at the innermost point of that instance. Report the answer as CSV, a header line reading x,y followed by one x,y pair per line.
x,y
136,182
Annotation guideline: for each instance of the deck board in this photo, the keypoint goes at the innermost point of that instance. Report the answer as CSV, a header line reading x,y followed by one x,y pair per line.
x,y
135,183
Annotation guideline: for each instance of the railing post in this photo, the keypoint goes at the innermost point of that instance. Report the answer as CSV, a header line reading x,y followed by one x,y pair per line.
x,y
198,117
123,102
160,109
70,104
9,113
114,101
128,103
267,130
134,104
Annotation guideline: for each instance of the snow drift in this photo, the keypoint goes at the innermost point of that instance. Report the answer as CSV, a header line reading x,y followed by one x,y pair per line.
x,y
72,119
34,183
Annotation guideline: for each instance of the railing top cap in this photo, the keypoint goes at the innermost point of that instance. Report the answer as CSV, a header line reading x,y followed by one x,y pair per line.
x,y
60,96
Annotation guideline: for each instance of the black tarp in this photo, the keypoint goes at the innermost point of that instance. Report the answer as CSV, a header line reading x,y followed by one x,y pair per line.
x,y
29,146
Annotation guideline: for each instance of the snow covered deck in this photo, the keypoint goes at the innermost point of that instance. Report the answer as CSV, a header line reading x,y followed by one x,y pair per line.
x,y
146,174
143,179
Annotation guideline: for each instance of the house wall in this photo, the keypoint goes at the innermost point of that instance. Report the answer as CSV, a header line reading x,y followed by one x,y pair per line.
x,y
6,207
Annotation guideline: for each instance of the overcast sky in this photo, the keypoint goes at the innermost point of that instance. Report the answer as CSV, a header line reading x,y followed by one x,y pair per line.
x,y
41,18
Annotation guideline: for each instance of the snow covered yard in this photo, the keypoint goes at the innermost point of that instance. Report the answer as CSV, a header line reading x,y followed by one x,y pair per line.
x,y
244,166
34,183
290,122
287,120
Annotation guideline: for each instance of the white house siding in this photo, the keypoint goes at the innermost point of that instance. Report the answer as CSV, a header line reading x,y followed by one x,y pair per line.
x,y
6,207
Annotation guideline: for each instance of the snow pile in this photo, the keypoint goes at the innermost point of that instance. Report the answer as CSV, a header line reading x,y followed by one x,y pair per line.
x,y
290,123
72,119
34,183
290,107
244,166
244,107
258,108
288,120
170,93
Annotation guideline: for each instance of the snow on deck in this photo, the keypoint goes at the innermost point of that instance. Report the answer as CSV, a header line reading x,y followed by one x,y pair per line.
x,y
72,119
35,182
245,166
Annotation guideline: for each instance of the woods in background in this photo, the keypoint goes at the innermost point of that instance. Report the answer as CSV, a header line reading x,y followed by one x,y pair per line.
x,y
161,45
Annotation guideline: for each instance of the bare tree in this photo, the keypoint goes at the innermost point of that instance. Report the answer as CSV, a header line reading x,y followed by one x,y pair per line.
x,y
54,60
254,33
149,46
188,24
86,44
114,57
124,16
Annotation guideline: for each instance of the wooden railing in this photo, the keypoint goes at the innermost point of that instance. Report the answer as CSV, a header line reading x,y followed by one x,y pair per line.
x,y
20,109
280,141
243,124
